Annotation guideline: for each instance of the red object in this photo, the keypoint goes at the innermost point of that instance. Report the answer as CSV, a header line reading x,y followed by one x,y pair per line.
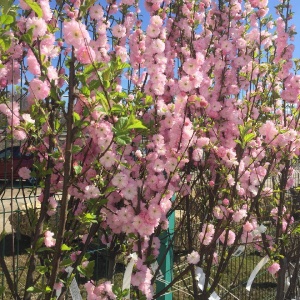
x,y
11,160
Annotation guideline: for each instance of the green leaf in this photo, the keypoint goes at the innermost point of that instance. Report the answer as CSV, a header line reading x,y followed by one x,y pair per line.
x,y
76,149
238,142
88,217
88,270
33,289
122,124
106,84
5,42
66,262
41,269
64,247
123,140
94,85
53,94
6,19
103,101
27,37
85,91
35,7
7,4
45,249
117,108
249,137
76,117
77,169
110,189
122,66
48,289
86,6
106,74
148,100
137,124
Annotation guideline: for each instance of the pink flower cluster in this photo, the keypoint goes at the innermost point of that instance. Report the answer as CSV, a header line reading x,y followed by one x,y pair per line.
x,y
49,241
274,268
103,291
24,173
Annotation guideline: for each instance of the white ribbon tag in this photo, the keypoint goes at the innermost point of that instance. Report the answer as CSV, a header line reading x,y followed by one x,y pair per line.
x,y
262,228
255,271
127,274
200,276
239,251
154,267
74,289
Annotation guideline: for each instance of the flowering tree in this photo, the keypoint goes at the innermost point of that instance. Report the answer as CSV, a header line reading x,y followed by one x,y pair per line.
x,y
196,100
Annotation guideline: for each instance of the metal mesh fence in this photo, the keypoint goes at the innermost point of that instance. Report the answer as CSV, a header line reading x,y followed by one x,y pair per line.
x,y
19,210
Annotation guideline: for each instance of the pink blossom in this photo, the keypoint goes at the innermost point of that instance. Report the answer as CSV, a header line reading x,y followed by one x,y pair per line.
x,y
39,26
96,12
48,239
45,6
75,34
102,291
193,258
119,31
239,215
19,135
33,65
39,89
91,192
156,21
130,192
120,180
225,202
248,227
27,118
268,130
197,154
274,268
153,31
58,286
230,238
85,55
24,173
108,159
190,66
185,84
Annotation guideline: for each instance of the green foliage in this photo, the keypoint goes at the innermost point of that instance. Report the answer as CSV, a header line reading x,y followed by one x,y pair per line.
x,y
64,247
6,19
122,129
88,270
246,135
120,294
35,7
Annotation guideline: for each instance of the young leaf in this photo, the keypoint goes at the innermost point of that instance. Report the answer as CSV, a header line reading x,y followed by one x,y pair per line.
x,y
7,4
6,19
76,149
77,169
35,7
64,247
249,137
33,289
137,124
5,42
122,124
123,139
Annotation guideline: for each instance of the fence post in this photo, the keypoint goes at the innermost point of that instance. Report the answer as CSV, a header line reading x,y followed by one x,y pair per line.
x,y
166,255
